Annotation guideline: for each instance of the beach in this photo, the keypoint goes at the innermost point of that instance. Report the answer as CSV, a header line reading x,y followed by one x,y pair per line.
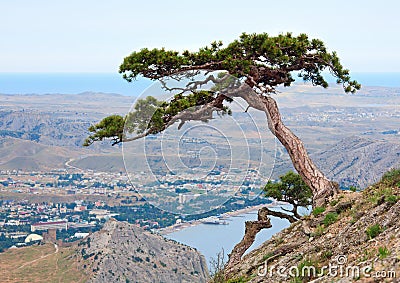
x,y
184,225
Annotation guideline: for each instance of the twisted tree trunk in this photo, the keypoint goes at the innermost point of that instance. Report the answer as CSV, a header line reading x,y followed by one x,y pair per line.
x,y
322,188
251,230
279,214
320,185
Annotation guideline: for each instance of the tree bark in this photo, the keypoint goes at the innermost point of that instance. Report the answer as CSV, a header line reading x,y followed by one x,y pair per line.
x,y
279,214
251,230
320,185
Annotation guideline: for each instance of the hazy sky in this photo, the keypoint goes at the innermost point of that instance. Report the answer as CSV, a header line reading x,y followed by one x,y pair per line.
x,y
95,35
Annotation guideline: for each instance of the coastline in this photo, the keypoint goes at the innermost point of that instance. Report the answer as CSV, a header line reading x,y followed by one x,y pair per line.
x,y
177,227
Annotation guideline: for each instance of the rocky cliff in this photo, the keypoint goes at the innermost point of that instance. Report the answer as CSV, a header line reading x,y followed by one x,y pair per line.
x,y
122,252
355,237
357,161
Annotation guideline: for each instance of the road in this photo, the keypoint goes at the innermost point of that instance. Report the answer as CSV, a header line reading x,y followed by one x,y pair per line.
x,y
40,258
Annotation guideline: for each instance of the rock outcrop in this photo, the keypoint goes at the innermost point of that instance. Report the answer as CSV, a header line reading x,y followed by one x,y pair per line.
x,y
356,237
357,161
122,252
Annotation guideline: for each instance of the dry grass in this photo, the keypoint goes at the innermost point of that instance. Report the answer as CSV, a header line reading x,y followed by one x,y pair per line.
x,y
41,264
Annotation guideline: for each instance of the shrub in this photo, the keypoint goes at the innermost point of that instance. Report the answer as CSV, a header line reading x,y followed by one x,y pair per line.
x,y
318,210
353,189
373,231
319,231
307,269
217,268
383,252
267,256
327,254
237,280
391,177
380,195
334,202
391,199
330,218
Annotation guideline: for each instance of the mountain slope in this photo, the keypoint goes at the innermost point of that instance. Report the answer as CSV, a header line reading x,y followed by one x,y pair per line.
x,y
42,263
357,161
119,252
122,252
32,156
359,233
353,161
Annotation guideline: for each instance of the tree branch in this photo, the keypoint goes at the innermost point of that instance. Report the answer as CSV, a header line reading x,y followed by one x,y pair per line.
x,y
251,230
136,137
194,85
279,214
197,113
295,213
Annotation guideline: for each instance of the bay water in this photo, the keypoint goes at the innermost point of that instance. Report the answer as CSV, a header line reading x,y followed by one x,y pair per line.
x,y
211,239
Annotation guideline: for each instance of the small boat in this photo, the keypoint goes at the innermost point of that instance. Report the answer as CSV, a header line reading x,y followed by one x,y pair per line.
x,y
213,220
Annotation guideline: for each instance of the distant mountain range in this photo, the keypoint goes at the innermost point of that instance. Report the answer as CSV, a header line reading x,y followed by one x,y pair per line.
x,y
357,161
42,132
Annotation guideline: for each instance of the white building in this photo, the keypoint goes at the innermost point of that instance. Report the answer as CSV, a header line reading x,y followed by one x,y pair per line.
x,y
33,237
59,225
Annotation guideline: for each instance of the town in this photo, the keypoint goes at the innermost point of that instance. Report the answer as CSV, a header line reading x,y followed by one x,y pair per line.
x,y
72,205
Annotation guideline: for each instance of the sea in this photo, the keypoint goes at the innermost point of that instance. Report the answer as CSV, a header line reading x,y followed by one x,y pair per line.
x,y
73,83
212,239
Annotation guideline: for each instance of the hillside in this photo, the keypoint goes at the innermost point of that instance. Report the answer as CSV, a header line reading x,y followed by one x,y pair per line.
x,y
355,231
38,132
57,119
353,161
120,252
123,251
32,156
42,264
357,161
